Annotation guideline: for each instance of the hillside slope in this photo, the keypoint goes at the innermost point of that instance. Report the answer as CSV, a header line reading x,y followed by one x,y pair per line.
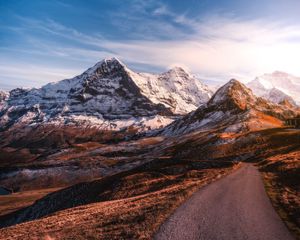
x,y
234,108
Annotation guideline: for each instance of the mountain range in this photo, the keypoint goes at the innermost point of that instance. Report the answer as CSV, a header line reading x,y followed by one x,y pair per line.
x,y
277,87
111,145
236,109
108,96
110,102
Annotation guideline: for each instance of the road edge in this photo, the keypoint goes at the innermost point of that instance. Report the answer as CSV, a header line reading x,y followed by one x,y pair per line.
x,y
282,213
234,168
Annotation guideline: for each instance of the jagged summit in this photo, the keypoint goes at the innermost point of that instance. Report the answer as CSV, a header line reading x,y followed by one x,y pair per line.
x,y
108,91
106,66
105,92
178,70
177,74
233,94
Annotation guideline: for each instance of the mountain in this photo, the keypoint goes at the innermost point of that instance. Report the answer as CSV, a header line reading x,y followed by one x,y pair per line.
x,y
233,126
103,182
277,96
3,95
108,96
107,103
233,108
175,89
276,87
3,98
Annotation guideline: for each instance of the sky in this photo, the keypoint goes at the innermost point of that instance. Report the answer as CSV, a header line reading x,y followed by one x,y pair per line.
x,y
43,41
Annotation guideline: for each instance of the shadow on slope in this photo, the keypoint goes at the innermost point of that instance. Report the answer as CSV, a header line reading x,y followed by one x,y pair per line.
x,y
282,177
151,177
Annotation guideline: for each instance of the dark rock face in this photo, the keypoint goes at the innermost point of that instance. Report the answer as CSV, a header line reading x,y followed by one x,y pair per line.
x,y
112,85
105,91
108,97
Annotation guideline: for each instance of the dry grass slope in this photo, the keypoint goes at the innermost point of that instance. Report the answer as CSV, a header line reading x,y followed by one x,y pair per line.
x,y
129,205
282,177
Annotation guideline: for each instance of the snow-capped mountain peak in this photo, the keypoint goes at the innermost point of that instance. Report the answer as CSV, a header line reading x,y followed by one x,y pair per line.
x,y
175,89
277,96
276,86
105,66
235,108
177,72
3,97
107,92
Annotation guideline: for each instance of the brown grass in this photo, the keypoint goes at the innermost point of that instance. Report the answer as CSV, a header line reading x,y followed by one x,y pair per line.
x,y
134,207
16,201
282,177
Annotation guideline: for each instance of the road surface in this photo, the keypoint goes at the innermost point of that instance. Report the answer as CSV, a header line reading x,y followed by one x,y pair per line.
x,y
235,207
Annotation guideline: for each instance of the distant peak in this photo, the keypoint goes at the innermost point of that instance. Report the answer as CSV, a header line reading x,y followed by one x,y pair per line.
x,y
113,61
279,73
177,68
233,94
178,71
234,82
275,74
106,65
235,85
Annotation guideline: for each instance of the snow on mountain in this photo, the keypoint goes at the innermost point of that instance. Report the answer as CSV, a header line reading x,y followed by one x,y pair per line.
x,y
233,108
277,96
3,95
175,89
3,98
276,87
108,95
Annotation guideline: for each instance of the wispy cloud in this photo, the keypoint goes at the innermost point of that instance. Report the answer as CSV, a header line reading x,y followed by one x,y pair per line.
x,y
32,75
215,47
52,27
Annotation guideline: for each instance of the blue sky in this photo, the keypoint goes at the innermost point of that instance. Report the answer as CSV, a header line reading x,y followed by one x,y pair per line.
x,y
43,41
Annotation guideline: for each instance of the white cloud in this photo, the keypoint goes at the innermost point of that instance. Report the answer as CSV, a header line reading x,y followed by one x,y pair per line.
x,y
218,47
